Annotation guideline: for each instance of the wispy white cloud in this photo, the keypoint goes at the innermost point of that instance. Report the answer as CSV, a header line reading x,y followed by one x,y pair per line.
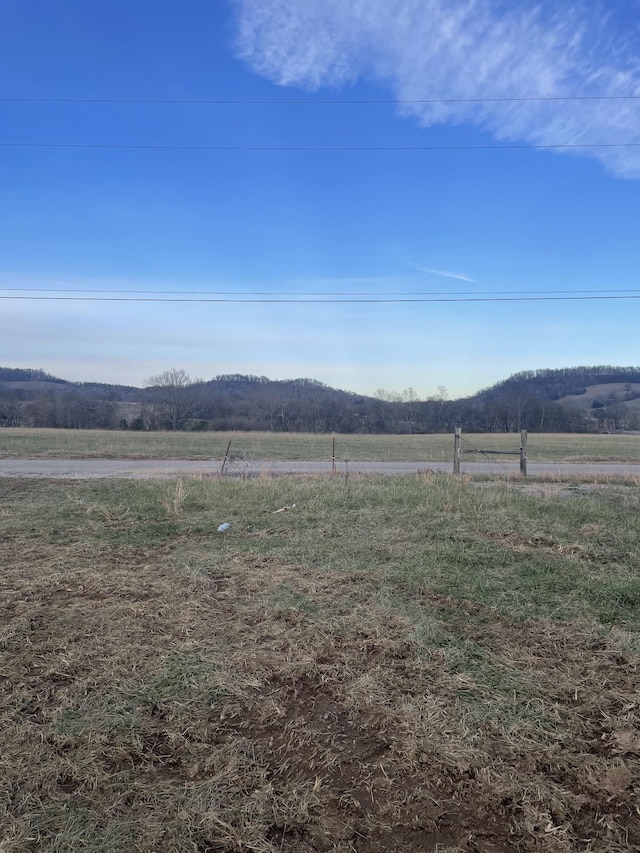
x,y
460,276
466,49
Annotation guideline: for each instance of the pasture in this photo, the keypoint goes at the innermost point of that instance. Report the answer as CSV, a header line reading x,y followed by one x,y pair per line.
x,y
412,663
86,444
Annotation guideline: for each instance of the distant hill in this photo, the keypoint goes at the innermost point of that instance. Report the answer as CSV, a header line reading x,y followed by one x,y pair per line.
x,y
603,397
24,375
556,384
227,402
577,399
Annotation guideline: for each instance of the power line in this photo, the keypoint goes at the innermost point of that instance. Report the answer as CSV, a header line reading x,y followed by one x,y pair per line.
x,y
319,101
317,301
315,148
304,294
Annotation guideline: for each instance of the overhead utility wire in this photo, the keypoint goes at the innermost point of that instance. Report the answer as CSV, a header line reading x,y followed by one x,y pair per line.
x,y
319,293
316,301
313,148
320,101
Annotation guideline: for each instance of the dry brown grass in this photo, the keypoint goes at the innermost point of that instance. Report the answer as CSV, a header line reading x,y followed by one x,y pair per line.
x,y
189,695
250,446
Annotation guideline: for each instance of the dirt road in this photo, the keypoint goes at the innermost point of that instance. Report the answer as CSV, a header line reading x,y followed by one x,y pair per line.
x,y
89,469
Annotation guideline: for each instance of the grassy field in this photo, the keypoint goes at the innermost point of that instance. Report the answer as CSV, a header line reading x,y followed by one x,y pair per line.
x,y
80,444
395,664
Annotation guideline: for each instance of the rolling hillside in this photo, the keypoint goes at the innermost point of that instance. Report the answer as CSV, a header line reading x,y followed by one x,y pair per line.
x,y
578,399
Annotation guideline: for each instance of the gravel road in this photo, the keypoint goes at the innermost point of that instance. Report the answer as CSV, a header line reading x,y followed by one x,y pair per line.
x,y
91,469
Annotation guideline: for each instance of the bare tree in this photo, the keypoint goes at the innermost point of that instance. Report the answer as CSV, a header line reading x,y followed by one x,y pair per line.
x,y
388,396
442,394
175,392
410,400
11,413
440,398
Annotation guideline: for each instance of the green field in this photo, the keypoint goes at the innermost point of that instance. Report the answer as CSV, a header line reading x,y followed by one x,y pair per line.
x,y
403,664
77,444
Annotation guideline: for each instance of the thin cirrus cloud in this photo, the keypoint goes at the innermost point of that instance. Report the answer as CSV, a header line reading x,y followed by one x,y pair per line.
x,y
466,49
445,274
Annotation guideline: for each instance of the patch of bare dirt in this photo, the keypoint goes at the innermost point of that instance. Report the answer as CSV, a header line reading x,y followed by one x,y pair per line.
x,y
515,541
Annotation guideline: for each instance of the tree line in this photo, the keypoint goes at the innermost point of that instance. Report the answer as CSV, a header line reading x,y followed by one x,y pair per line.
x,y
174,401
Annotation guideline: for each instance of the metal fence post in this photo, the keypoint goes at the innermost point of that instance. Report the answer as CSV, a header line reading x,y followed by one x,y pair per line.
x,y
456,450
226,456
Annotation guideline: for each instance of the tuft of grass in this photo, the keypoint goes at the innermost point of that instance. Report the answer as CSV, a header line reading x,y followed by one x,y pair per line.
x,y
183,678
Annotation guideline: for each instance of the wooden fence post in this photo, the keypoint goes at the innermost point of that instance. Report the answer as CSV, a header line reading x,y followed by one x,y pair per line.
x,y
456,450
523,453
333,453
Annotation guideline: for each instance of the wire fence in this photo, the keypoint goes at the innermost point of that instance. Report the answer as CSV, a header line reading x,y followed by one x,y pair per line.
x,y
459,449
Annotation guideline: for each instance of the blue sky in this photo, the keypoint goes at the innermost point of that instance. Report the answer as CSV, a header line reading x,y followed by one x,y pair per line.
x,y
171,218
